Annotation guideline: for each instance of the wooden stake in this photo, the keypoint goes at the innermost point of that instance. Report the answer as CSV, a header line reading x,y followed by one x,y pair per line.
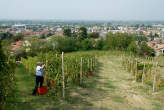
x,y
81,70
155,75
136,70
154,82
63,74
93,62
91,65
88,64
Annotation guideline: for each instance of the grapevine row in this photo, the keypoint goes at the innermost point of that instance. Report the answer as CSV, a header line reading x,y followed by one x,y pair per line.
x,y
148,70
77,67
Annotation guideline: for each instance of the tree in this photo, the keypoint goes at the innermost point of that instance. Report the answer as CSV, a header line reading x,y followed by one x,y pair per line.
x,y
86,44
74,35
118,41
140,38
151,36
43,36
94,35
100,44
156,35
146,50
133,47
18,37
5,35
67,32
82,34
49,34
63,44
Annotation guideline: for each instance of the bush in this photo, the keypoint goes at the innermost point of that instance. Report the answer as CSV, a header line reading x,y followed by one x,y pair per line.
x,y
146,50
5,35
94,35
133,47
118,41
7,77
100,44
86,44
18,37
63,44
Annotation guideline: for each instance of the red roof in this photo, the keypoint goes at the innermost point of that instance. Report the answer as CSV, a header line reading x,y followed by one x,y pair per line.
x,y
159,47
18,43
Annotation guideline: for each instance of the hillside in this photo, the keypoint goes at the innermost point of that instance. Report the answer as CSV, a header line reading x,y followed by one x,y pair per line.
x,y
110,88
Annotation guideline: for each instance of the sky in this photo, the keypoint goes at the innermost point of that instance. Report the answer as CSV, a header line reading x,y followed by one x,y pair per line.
x,y
82,9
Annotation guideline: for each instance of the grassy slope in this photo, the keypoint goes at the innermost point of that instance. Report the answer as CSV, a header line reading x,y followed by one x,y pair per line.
x,y
112,88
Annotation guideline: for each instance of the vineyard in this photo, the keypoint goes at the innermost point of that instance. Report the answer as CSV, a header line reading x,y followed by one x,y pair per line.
x,y
7,79
61,70
146,70
90,80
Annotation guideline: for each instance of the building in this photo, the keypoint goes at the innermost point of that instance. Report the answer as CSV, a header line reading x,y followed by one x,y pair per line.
x,y
159,49
19,27
163,33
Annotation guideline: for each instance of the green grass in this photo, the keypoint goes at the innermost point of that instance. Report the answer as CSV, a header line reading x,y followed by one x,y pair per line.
x,y
118,99
22,98
108,89
157,106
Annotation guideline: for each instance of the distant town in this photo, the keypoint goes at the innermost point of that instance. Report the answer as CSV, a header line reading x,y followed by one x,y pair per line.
x,y
154,31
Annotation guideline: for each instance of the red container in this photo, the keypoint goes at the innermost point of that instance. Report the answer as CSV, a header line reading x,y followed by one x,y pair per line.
x,y
84,74
42,90
52,83
91,72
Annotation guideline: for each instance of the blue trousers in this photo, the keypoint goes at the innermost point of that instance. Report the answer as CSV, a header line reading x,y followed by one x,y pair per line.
x,y
39,81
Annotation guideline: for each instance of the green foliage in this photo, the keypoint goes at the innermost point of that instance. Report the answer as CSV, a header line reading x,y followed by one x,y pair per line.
x,y
7,77
86,44
100,44
94,35
5,35
118,41
43,36
146,50
143,71
18,37
67,32
82,41
82,34
133,47
140,38
63,44
53,69
153,36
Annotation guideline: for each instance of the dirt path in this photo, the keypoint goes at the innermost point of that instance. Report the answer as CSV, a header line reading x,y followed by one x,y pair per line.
x,y
115,89
111,88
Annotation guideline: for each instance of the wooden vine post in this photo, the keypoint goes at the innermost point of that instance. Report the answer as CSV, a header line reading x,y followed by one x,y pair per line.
x,y
155,75
154,82
136,70
63,74
81,70
46,72
143,74
131,67
95,62
91,64
88,64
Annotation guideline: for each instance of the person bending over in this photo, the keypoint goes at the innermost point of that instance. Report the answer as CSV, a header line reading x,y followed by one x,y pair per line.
x,y
39,76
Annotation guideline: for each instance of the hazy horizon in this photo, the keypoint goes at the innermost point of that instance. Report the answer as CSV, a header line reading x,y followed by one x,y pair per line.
x,y
97,10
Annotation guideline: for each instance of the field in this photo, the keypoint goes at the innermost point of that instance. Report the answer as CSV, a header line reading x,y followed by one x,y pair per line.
x,y
111,87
